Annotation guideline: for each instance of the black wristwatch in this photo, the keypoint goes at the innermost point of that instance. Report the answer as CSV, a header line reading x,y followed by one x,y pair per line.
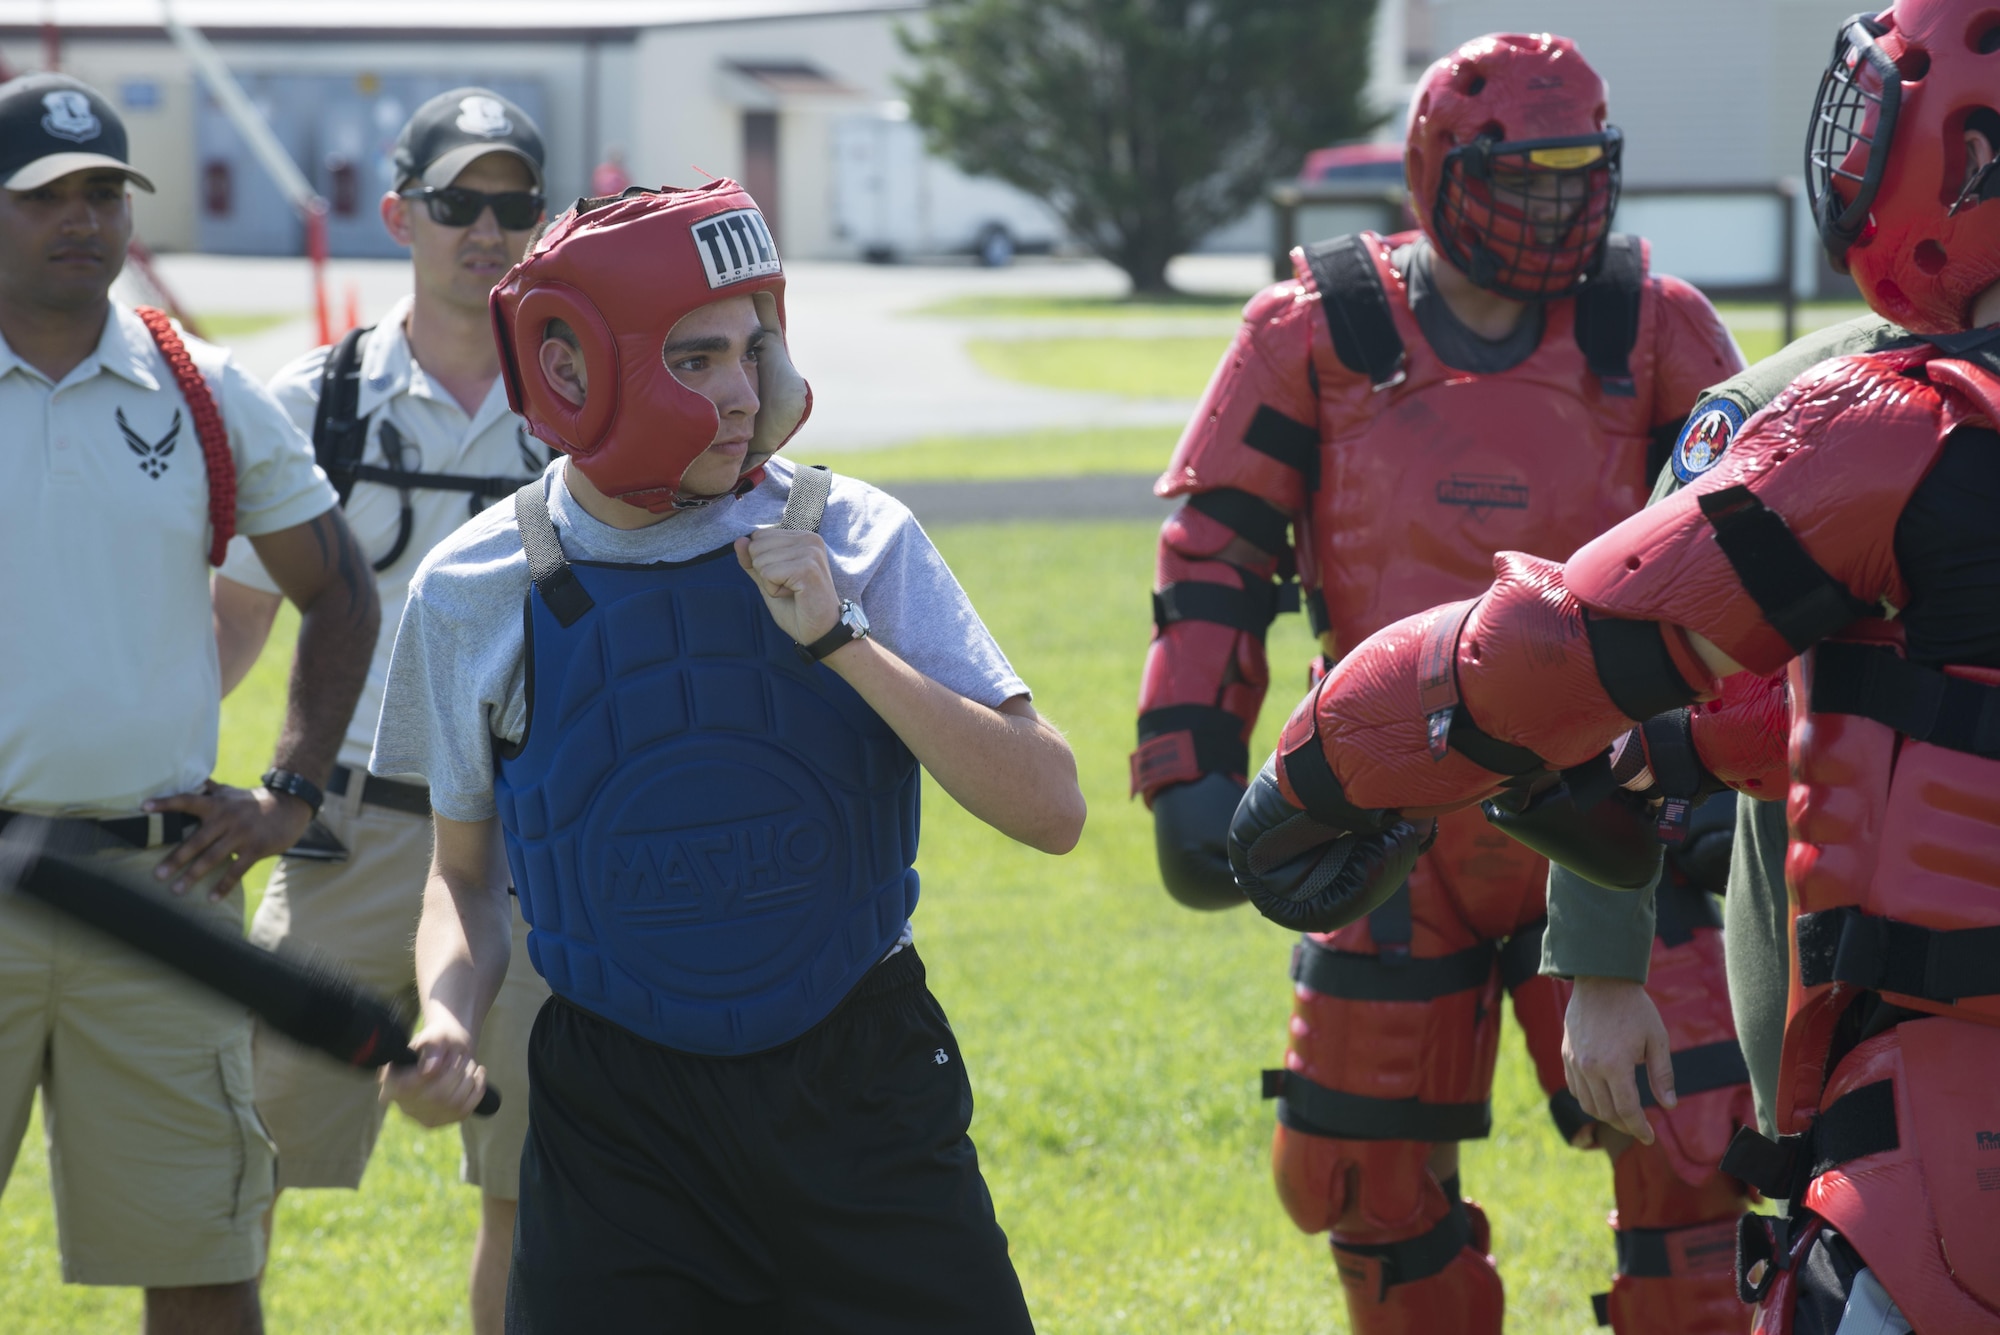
x,y
853,625
295,785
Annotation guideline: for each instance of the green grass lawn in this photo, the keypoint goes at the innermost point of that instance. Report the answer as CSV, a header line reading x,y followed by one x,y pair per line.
x,y
228,326
1114,1041
1002,306
1138,449
1178,366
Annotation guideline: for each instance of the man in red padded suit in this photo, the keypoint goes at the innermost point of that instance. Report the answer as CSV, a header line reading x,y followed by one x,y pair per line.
x,y
1508,377
1847,538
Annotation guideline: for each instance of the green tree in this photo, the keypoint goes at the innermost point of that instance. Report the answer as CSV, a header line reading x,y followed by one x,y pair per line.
x,y
1145,124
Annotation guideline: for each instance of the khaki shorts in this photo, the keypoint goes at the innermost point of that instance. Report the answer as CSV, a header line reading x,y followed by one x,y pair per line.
x,y
325,1117
161,1171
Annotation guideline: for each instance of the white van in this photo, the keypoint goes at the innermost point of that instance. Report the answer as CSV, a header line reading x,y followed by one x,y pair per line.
x,y
893,201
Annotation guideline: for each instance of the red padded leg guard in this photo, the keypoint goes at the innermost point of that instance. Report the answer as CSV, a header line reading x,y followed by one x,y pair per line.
x,y
1676,1249
1387,1294
1702,1304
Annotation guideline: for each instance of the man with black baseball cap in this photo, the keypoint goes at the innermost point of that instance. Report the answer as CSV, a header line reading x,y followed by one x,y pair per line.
x,y
412,427
128,455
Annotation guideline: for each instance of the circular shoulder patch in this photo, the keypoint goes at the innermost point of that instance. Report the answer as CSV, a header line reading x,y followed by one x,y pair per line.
x,y
1705,439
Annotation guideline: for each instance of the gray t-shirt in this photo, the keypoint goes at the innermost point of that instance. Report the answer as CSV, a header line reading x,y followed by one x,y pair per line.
x,y
1455,344
458,674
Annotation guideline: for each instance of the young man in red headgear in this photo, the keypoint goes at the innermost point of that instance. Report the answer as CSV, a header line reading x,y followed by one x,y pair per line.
x,y
1508,376
652,680
1847,538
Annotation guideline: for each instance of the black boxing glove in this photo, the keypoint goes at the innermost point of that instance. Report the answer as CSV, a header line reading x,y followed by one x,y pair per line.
x,y
1308,876
1191,837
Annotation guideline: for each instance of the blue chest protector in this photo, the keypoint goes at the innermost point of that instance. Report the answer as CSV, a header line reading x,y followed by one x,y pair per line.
x,y
712,838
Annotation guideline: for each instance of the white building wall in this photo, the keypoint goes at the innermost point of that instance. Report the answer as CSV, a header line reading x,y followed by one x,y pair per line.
x,y
687,109
1707,91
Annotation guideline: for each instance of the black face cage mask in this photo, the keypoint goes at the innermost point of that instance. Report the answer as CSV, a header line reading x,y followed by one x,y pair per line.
x,y
1840,116
1501,248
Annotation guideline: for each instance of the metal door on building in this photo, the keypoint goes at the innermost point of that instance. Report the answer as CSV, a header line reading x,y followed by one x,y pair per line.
x,y
341,130
239,210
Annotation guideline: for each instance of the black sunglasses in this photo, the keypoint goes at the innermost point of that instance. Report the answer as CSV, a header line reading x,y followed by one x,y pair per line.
x,y
451,206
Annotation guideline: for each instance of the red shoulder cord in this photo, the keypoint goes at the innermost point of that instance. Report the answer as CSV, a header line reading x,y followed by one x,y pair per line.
x,y
208,429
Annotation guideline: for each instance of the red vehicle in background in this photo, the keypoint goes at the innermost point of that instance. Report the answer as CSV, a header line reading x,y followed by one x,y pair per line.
x,y
1364,167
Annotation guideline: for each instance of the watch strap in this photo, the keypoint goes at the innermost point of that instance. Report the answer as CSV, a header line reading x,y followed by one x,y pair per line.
x,y
296,785
842,633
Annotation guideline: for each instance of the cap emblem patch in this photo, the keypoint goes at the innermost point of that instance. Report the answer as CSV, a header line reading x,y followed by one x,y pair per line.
x,y
735,247
67,115
1705,439
483,116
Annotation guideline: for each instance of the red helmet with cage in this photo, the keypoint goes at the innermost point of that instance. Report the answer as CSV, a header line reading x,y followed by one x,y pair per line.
x,y
1512,169
1898,203
620,273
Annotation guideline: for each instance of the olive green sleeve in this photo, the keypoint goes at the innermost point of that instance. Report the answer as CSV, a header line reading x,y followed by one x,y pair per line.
x,y
1604,933
1594,932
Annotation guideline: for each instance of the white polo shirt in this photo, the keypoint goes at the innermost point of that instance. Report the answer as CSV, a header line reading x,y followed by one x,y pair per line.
x,y
107,642
437,438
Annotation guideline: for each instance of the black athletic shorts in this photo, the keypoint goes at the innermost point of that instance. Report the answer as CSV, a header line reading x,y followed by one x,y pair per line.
x,y
825,1186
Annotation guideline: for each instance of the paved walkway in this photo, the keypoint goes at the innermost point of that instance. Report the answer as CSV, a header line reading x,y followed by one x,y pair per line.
x,y
882,373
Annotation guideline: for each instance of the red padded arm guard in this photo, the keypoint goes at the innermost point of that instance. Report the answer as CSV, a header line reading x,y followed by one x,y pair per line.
x,y
1691,348
1205,679
1247,459
1518,666
1258,419
1742,734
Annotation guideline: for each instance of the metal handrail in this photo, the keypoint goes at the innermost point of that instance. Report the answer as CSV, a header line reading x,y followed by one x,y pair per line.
x,y
1287,198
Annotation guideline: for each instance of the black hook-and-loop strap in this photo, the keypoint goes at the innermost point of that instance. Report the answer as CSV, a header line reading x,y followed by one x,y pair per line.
x,y
1874,681
1315,1110
1846,945
1798,598
1415,1258
1357,977
1854,1126
1250,609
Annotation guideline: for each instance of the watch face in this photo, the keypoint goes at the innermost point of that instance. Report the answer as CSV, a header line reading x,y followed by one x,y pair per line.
x,y
854,618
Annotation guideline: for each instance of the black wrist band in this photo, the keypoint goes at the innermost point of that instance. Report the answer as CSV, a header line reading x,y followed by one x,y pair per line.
x,y
295,785
842,633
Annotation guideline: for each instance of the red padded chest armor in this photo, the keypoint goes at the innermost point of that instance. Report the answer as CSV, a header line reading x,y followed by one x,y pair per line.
x,y
1422,482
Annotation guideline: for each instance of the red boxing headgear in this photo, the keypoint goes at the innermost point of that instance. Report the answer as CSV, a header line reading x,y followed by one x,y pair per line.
x,y
621,273
1886,164
1523,107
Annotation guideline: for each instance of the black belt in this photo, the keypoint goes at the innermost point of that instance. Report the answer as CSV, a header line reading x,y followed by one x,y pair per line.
x,y
410,798
82,834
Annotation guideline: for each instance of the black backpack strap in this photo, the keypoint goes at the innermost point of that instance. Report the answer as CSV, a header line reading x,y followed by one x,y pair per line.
x,y
1357,309
547,566
339,435
1607,314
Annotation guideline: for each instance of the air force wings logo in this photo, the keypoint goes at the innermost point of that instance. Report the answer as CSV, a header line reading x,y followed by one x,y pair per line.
x,y
735,247
66,114
1705,439
152,454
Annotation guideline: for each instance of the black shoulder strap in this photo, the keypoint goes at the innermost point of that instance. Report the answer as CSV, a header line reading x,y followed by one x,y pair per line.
x,y
547,565
1357,309
1607,314
339,436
